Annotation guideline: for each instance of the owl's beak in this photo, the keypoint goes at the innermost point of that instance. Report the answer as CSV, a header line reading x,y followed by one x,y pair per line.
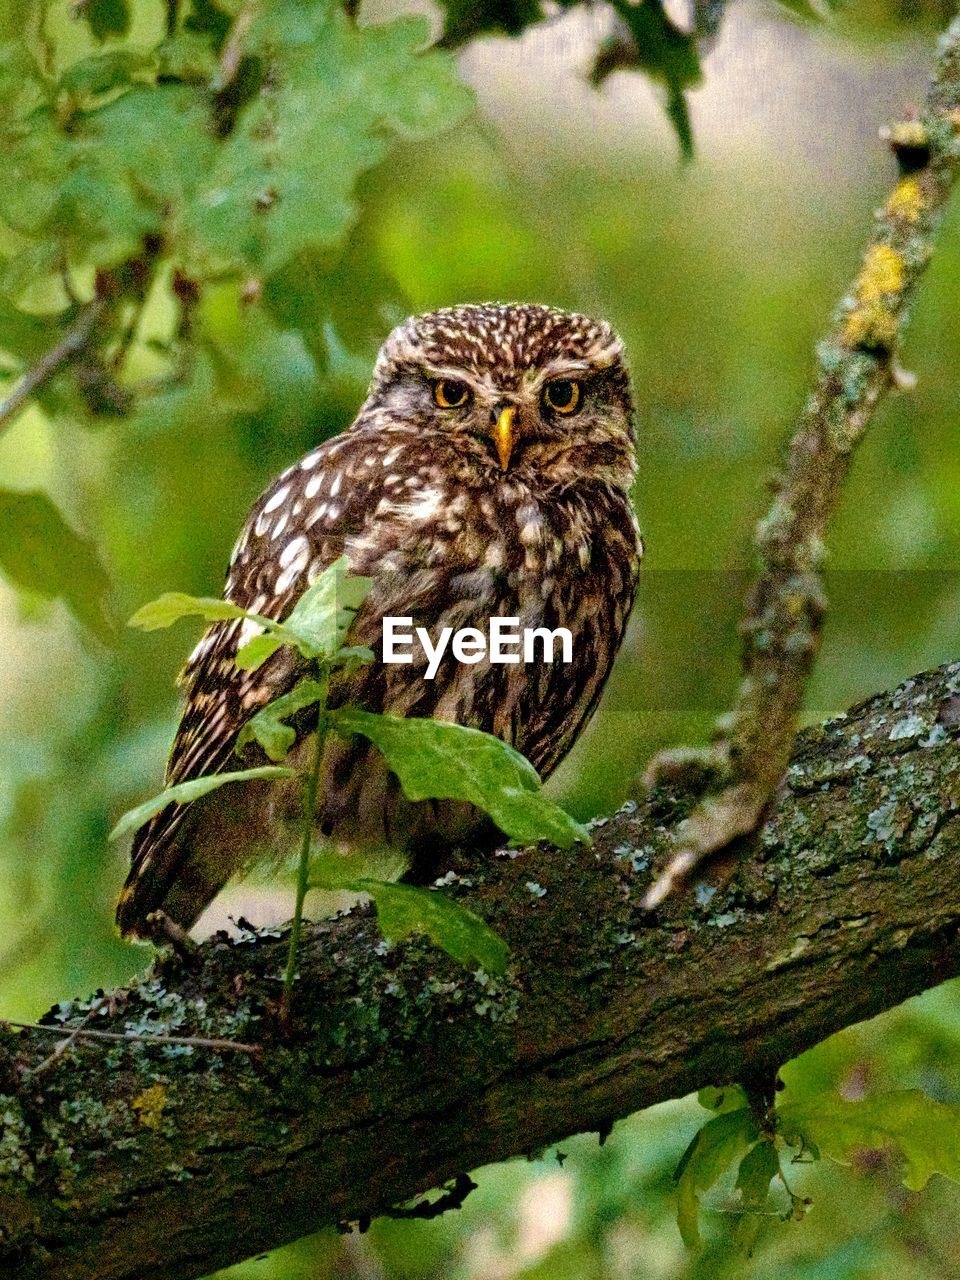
x,y
505,435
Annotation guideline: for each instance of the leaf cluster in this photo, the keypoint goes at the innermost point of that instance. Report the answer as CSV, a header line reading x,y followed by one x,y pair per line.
x,y
919,1134
205,157
432,759
162,153
644,38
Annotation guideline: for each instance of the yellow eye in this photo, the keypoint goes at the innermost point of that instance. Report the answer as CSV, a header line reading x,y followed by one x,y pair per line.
x,y
450,394
562,396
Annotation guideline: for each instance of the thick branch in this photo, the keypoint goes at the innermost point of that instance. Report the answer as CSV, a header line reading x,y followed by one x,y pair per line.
x,y
856,366
164,1162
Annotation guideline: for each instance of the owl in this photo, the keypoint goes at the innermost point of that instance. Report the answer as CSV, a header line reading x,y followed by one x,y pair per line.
x,y
487,474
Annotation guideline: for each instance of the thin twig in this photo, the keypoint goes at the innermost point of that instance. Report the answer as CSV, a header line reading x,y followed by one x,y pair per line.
x,y
134,1037
73,344
311,786
232,53
128,336
60,1049
856,366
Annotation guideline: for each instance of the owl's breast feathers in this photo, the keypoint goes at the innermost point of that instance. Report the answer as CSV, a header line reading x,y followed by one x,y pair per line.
x,y
446,547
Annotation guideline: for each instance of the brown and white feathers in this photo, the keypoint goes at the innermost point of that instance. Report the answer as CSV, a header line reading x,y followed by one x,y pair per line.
x,y
456,522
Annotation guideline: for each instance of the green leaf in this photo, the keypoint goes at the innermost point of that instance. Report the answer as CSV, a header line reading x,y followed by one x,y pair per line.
x,y
187,55
22,270
174,605
663,52
98,182
185,792
267,726
24,337
282,182
256,651
924,1132
315,626
120,150
107,18
757,1170
322,616
729,1097
40,552
466,18
358,653
86,80
404,909
22,85
436,760
132,168
341,872
721,1141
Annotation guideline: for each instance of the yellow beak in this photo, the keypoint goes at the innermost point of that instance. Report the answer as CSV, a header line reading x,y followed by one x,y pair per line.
x,y
505,435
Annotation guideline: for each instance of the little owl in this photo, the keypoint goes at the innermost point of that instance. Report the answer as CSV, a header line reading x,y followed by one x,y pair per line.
x,y
486,475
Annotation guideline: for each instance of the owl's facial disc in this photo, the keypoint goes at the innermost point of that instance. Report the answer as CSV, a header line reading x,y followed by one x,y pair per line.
x,y
513,414
513,388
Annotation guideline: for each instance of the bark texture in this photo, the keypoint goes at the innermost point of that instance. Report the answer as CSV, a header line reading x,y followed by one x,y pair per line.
x,y
856,365
165,1162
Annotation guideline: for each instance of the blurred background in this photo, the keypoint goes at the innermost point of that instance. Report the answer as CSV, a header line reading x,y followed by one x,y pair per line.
x,y
720,274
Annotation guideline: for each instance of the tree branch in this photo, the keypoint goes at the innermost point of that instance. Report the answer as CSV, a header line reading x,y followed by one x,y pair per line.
x,y
856,366
165,1162
74,343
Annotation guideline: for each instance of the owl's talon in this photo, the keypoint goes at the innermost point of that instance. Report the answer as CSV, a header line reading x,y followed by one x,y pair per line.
x,y
694,771
163,930
715,824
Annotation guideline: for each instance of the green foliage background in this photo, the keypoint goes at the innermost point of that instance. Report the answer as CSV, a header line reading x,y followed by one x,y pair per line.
x,y
275,233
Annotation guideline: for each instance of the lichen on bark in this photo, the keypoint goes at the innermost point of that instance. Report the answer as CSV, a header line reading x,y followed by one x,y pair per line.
x,y
404,1070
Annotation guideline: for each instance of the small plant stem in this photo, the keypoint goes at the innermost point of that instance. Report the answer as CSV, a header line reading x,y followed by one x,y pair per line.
x,y
311,785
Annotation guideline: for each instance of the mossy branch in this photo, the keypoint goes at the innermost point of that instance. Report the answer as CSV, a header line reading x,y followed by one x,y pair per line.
x,y
856,365
166,1161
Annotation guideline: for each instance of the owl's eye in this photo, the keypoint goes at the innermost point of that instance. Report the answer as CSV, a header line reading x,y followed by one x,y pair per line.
x,y
450,394
562,395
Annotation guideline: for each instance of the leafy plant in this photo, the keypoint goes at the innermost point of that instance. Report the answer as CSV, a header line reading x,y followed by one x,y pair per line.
x,y
432,759
922,1134
728,1137
207,155
175,149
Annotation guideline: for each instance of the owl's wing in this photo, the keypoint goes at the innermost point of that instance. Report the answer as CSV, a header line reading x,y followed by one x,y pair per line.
x,y
296,530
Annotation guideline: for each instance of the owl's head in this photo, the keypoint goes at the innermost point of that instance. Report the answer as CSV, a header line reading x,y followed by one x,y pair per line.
x,y
520,387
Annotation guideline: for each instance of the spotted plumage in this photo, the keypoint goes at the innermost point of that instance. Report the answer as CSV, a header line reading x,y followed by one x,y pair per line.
x,y
487,474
